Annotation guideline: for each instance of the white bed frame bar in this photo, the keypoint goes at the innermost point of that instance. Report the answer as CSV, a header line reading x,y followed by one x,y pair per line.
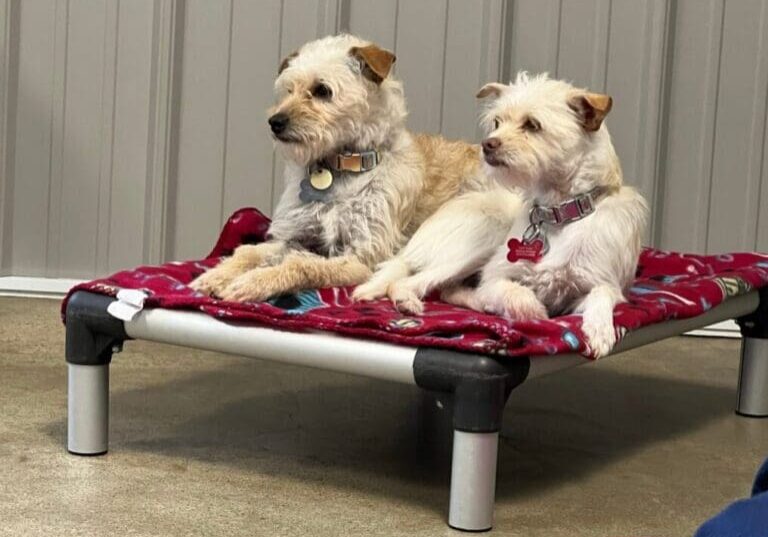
x,y
479,384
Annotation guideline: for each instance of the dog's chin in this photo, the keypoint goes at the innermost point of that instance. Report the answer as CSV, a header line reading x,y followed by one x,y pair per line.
x,y
493,161
507,175
286,138
299,151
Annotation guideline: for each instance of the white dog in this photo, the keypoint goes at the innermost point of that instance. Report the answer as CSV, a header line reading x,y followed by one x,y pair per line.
x,y
575,244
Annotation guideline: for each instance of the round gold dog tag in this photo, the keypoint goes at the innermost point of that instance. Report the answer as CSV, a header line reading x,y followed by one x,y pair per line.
x,y
321,179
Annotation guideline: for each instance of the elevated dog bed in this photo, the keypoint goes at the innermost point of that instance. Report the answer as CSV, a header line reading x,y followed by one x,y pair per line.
x,y
478,358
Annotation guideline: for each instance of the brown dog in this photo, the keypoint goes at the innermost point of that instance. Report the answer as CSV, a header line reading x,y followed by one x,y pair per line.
x,y
357,183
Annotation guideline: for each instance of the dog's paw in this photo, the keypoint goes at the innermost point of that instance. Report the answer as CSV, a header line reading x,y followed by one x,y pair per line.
x,y
521,305
213,282
405,300
368,291
601,337
249,287
464,297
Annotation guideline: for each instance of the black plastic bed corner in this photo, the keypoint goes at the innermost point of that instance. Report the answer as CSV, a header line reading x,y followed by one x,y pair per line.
x,y
480,385
92,333
755,325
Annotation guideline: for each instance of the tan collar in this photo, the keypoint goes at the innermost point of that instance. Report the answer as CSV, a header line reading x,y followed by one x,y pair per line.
x,y
361,162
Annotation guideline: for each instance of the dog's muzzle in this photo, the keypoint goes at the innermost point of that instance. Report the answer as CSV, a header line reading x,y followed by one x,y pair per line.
x,y
490,147
279,123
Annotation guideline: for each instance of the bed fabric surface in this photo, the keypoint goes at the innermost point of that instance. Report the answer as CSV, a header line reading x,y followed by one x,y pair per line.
x,y
668,285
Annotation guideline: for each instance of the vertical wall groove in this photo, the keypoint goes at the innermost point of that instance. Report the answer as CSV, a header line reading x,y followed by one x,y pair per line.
x,y
713,141
226,112
274,168
162,141
607,45
397,17
9,39
661,116
445,55
108,96
558,33
57,135
663,123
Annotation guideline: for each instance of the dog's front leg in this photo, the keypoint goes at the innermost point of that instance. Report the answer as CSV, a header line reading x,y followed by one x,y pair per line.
x,y
244,258
597,325
452,244
298,271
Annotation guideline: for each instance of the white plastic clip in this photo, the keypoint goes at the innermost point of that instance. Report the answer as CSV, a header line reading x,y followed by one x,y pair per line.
x,y
129,302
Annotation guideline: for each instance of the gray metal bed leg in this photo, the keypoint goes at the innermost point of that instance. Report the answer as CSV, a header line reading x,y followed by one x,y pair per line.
x,y
473,480
92,336
753,373
87,409
753,378
480,386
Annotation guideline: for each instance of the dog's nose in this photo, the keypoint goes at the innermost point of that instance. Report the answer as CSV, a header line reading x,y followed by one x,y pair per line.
x,y
278,122
490,145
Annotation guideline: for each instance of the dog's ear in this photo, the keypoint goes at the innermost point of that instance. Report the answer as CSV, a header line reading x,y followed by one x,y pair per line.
x,y
591,109
286,62
492,89
376,62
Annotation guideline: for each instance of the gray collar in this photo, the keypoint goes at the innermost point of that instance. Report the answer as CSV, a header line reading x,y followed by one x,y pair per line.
x,y
321,176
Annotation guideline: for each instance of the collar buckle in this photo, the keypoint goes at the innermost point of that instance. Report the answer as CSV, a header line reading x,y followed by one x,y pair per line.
x,y
585,203
369,160
364,161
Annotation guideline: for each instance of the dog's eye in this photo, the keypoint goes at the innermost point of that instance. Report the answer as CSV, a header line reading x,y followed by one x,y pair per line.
x,y
496,123
532,124
321,91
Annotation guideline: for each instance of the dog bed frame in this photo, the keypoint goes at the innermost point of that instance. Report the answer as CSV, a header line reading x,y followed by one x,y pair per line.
x,y
477,359
480,384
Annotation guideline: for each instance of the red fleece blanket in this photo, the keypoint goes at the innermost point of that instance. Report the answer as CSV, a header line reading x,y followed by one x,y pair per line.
x,y
669,285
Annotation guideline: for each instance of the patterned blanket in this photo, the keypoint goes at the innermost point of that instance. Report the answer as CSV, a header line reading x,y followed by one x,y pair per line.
x,y
669,285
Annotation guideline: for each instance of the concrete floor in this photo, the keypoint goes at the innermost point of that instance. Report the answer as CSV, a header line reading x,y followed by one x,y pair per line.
x,y
206,444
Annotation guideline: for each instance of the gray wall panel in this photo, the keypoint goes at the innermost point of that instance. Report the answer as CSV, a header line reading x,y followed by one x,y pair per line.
x,y
684,205
583,43
471,58
534,36
9,54
633,78
203,116
739,127
420,48
131,129
762,221
131,137
37,85
375,20
255,57
79,202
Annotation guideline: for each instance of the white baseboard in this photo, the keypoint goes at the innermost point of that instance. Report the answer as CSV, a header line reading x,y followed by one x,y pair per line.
x,y
56,288
724,329
22,286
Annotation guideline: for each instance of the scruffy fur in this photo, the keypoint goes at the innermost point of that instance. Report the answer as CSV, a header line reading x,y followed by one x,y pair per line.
x,y
338,241
548,139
